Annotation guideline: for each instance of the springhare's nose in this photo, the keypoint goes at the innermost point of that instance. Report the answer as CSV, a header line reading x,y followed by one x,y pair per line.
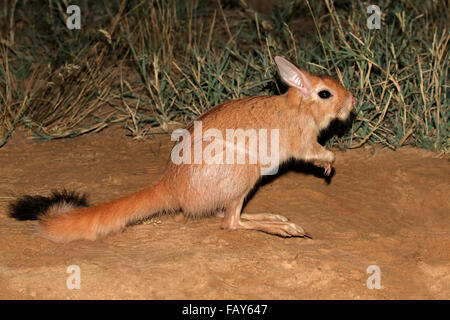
x,y
354,101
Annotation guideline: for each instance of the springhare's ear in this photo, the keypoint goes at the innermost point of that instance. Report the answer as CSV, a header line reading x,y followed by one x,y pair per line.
x,y
292,75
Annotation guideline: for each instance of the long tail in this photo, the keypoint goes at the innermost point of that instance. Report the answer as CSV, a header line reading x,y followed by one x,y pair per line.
x,y
65,216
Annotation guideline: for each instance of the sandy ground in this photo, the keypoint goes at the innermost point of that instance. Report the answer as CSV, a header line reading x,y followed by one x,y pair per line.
x,y
383,208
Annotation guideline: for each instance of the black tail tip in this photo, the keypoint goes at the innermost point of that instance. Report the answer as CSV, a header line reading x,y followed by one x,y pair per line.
x,y
32,207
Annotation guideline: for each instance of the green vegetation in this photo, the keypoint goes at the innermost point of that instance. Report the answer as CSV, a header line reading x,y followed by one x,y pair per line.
x,y
144,64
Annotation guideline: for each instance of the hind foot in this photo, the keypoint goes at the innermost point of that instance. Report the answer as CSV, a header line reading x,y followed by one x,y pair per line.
x,y
265,222
284,229
263,217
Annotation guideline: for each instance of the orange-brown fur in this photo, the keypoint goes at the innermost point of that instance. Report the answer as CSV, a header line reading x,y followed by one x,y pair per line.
x,y
201,189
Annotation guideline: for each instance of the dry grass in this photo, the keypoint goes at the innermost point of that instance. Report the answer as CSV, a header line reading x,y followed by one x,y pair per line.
x,y
157,63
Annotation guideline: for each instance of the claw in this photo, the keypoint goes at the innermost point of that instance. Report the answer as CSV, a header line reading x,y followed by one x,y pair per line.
x,y
328,169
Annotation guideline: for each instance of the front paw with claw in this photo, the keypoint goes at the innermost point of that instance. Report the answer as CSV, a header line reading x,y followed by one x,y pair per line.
x,y
326,165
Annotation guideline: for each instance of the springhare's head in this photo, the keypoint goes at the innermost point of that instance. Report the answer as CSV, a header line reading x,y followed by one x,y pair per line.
x,y
325,96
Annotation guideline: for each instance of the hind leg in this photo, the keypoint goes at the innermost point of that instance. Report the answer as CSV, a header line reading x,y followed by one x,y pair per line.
x,y
232,221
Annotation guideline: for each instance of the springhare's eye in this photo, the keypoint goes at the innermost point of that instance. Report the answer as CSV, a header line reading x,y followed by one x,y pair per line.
x,y
324,94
